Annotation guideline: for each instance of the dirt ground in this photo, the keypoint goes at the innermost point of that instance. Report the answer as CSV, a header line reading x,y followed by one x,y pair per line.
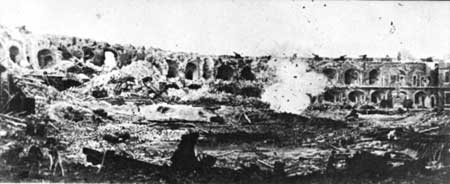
x,y
131,138
246,152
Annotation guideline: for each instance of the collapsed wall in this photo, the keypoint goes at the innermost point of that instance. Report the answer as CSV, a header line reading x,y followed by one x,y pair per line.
x,y
106,70
41,52
20,48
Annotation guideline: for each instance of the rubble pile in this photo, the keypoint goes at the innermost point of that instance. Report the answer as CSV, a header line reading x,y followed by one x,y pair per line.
x,y
138,78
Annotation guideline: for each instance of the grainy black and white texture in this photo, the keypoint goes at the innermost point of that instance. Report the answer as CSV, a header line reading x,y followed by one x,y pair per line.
x,y
225,91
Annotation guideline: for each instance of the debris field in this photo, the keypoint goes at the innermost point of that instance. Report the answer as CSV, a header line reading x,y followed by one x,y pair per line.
x,y
79,121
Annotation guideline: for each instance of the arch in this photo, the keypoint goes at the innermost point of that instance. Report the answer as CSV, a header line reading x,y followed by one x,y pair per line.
x,y
88,53
415,80
356,96
374,76
173,69
400,94
330,73
191,71
99,57
400,97
247,74
65,53
433,101
13,53
419,98
377,96
110,59
402,76
331,95
224,72
45,57
422,81
351,76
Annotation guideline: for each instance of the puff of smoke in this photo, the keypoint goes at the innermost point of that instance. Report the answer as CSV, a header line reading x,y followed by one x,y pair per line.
x,y
293,81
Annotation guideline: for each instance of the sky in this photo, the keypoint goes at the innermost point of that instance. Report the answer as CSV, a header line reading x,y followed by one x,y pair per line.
x,y
327,28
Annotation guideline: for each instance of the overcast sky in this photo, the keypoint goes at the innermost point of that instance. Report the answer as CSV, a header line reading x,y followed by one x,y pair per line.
x,y
248,27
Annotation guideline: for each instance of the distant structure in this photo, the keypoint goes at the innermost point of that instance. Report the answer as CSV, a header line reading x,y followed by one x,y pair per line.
x,y
39,52
379,82
385,82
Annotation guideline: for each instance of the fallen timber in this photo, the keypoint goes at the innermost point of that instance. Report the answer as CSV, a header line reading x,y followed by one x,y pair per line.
x,y
12,120
111,159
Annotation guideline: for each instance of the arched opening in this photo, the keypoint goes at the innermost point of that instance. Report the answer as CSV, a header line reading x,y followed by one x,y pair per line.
x,y
331,95
374,76
351,76
190,71
65,53
376,96
399,97
141,54
110,59
173,69
402,77
224,72
399,94
247,74
13,53
45,57
88,53
419,99
422,81
99,57
415,80
433,101
330,73
356,96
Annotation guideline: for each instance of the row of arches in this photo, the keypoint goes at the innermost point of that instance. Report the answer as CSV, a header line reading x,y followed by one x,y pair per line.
x,y
46,57
419,98
422,100
192,71
19,52
353,76
16,55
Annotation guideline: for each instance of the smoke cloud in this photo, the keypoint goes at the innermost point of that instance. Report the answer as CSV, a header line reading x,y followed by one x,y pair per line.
x,y
293,81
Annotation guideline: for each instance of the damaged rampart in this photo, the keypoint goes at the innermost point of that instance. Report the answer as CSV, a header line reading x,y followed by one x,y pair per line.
x,y
379,82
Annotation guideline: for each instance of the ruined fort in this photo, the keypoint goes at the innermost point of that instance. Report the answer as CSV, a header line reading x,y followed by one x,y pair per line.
x,y
386,82
111,112
379,82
